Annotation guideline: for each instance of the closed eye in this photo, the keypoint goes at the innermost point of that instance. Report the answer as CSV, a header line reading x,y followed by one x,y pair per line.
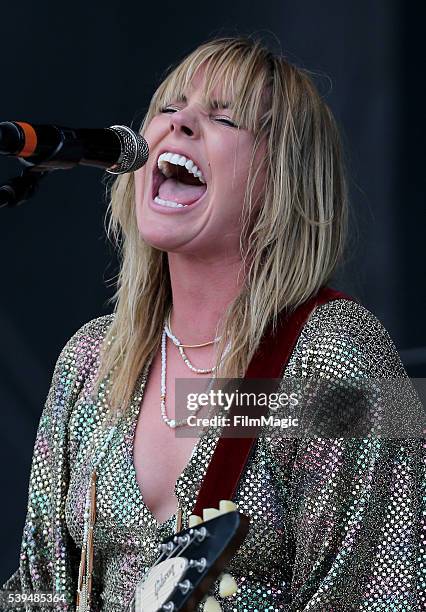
x,y
168,109
225,120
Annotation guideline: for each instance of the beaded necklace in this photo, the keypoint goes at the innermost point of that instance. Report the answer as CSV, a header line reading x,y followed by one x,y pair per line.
x,y
167,331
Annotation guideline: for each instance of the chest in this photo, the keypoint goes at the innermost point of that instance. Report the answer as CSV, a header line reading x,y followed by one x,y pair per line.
x,y
127,530
160,454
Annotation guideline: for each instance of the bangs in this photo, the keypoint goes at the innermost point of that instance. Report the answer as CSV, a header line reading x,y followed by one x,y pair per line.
x,y
237,71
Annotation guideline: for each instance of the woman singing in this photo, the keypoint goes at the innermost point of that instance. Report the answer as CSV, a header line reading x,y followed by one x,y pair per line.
x,y
238,216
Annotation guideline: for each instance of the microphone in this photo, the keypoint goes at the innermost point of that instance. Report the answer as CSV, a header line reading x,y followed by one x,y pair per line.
x,y
118,149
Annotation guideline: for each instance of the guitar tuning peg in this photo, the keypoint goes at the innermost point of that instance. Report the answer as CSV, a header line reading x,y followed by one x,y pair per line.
x,y
209,513
212,605
226,505
194,520
227,585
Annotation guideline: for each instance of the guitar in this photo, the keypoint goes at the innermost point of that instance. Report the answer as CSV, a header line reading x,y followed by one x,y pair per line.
x,y
190,561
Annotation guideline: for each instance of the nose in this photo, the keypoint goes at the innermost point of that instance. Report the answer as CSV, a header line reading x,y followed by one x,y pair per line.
x,y
184,121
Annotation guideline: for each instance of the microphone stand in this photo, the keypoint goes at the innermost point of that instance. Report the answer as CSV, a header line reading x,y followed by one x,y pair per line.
x,y
67,154
22,187
67,147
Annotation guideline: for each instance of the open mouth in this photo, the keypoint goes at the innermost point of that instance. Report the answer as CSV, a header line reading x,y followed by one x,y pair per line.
x,y
177,182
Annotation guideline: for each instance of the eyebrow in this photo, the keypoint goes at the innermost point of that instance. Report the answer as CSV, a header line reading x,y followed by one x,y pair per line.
x,y
213,104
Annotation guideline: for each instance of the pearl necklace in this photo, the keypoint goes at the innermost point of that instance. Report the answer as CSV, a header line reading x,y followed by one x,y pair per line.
x,y
172,423
191,345
179,345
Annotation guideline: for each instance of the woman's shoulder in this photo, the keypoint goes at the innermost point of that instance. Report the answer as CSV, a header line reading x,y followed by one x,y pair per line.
x,y
83,346
343,334
95,329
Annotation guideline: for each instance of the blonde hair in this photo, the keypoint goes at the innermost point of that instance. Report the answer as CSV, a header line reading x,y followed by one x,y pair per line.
x,y
291,245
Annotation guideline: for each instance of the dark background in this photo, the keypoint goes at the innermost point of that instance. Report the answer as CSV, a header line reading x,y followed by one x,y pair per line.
x,y
96,64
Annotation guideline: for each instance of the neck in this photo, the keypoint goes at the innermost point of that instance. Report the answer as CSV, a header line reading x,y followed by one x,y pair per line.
x,y
201,292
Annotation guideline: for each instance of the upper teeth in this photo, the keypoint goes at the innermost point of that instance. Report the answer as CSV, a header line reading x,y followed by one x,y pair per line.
x,y
180,160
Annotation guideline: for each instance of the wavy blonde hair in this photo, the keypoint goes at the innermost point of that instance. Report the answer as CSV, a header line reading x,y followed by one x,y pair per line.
x,y
291,246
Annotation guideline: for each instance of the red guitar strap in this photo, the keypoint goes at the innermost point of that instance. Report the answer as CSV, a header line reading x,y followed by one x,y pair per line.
x,y
232,454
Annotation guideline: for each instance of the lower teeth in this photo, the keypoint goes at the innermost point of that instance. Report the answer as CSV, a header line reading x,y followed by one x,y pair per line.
x,y
168,203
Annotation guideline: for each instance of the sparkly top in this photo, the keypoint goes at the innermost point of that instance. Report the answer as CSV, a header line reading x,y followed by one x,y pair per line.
x,y
335,523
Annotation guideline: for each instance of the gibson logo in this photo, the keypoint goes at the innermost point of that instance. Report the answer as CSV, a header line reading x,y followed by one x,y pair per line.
x,y
162,579
154,590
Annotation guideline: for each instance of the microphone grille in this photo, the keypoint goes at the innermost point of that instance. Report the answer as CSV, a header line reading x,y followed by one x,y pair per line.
x,y
134,150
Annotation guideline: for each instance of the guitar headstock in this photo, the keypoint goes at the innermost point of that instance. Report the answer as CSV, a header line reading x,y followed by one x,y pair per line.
x,y
190,562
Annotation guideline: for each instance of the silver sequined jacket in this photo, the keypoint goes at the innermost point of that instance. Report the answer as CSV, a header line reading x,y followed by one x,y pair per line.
x,y
337,524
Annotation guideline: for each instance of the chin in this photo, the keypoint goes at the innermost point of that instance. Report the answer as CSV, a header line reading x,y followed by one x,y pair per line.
x,y
158,237
154,237
157,232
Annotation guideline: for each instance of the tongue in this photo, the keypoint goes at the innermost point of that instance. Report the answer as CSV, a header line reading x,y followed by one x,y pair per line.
x,y
181,193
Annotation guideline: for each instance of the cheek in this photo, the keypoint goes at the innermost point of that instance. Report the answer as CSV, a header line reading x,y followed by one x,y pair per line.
x,y
239,165
231,173
238,174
